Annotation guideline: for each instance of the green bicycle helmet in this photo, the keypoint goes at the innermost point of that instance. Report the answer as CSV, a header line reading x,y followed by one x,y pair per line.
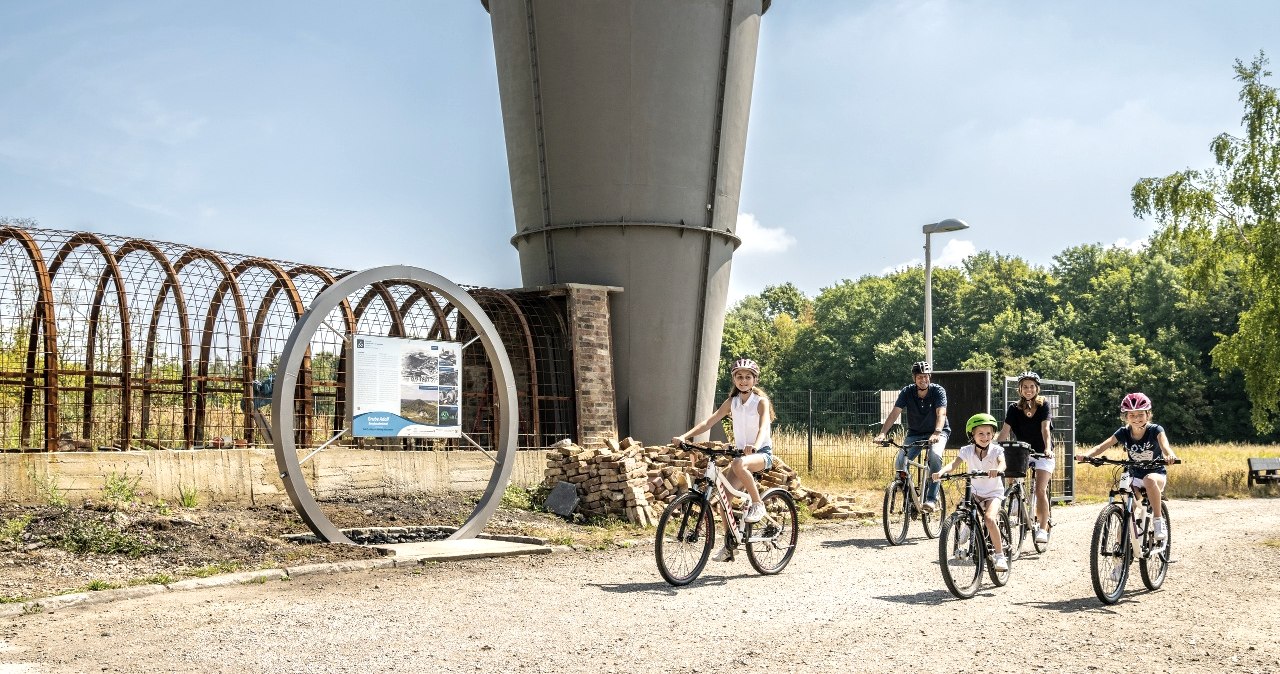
x,y
981,419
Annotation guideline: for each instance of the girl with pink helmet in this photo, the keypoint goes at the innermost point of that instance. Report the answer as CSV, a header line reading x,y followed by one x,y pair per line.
x,y
1144,441
752,416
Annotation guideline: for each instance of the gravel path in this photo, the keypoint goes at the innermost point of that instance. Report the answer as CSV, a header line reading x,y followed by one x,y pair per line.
x,y
846,603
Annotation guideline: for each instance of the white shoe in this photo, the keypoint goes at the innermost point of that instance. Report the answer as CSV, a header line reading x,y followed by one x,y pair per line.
x,y
722,555
755,513
1116,573
1042,535
1162,531
1002,563
929,506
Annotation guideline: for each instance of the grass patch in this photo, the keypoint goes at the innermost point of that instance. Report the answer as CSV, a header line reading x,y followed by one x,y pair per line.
x,y
47,487
187,496
96,585
216,568
526,498
1271,542
84,535
12,599
119,489
11,529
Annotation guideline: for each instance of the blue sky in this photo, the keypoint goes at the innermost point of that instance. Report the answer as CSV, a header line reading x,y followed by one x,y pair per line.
x,y
355,135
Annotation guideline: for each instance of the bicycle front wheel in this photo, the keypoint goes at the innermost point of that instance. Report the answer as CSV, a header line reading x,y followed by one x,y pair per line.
x,y
686,533
1015,510
1001,578
1154,568
933,521
772,540
960,555
1109,554
894,514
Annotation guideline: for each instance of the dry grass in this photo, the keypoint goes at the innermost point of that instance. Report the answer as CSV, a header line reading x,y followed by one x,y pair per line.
x,y
850,464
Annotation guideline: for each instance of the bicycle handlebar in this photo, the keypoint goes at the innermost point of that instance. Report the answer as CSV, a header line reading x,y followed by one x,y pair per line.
x,y
1102,460
889,441
970,474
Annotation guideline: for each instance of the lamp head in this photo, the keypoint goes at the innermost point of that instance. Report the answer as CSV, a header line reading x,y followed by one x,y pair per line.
x,y
948,225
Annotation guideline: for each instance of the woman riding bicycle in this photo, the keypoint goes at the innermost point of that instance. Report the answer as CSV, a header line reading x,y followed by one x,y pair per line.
x,y
752,413
926,406
1029,419
979,455
1144,441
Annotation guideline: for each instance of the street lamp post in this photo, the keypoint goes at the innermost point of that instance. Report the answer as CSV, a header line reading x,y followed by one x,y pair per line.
x,y
948,225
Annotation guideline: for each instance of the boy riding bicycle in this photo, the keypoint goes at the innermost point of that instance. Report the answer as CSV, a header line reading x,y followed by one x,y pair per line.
x,y
981,454
926,406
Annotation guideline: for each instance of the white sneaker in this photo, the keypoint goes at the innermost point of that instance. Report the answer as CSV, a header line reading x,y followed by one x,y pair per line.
x,y
1042,535
722,555
755,513
1002,563
1116,573
929,506
1162,531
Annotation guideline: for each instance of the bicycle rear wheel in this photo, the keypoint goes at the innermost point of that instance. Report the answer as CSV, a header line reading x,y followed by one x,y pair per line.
x,y
933,521
1015,510
1154,568
686,533
894,514
960,555
1109,554
1001,578
772,540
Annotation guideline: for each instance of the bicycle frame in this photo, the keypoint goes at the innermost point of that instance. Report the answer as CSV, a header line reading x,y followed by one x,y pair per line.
x,y
913,465
713,479
1145,535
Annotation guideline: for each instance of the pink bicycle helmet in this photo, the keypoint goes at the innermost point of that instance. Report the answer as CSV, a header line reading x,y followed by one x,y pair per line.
x,y
745,364
1135,402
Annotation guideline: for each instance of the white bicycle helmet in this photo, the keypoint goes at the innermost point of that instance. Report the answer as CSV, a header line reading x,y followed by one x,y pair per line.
x,y
745,364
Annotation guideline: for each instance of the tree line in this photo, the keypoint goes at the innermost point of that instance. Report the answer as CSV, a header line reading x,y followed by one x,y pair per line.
x,y
1191,319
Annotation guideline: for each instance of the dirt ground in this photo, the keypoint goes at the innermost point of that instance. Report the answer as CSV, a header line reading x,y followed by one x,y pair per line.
x,y
847,602
100,545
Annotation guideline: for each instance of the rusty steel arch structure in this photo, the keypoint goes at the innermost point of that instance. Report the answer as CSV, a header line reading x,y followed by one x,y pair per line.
x,y
116,343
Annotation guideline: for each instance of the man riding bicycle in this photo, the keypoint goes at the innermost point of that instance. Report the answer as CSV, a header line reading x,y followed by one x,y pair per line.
x,y
925,404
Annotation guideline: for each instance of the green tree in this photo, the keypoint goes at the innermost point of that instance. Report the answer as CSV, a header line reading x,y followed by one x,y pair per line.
x,y
1230,216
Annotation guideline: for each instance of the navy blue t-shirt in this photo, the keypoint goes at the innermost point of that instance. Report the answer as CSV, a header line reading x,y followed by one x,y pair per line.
x,y
1144,448
922,413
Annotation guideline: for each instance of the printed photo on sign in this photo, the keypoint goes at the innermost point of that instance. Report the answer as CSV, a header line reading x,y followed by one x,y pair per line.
x,y
448,377
421,366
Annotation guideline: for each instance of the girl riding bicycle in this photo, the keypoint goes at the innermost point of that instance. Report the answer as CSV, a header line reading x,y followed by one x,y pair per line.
x,y
752,413
982,454
1144,441
1029,419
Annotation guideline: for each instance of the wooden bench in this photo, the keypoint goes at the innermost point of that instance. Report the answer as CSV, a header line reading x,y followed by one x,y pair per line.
x,y
1263,470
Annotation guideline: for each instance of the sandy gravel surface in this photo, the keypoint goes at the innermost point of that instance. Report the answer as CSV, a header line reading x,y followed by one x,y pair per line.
x,y
847,603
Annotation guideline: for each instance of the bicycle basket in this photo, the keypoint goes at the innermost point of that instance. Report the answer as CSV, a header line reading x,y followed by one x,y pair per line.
x,y
1015,461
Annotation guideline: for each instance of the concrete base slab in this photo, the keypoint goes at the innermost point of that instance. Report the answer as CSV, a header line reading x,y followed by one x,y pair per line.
x,y
466,548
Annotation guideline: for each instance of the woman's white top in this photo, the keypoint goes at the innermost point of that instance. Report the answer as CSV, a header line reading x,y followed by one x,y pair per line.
x,y
984,487
747,423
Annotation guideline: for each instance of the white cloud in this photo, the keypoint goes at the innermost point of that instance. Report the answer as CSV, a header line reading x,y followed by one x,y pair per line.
x,y
760,240
1135,246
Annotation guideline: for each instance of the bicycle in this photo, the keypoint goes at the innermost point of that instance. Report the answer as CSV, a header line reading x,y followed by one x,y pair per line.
x,y
965,532
1121,522
902,496
1021,510
687,530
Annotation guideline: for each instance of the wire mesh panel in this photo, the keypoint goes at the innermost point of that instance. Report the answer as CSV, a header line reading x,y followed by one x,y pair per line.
x,y
108,342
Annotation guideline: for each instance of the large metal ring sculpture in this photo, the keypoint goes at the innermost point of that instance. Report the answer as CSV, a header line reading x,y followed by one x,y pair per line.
x,y
282,399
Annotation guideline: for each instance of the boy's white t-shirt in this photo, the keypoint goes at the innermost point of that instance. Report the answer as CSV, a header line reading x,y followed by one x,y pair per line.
x,y
984,487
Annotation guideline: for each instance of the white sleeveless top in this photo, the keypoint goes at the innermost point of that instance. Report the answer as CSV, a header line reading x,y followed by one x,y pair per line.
x,y
746,423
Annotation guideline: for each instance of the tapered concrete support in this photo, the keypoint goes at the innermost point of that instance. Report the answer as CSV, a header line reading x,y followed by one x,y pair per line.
x,y
626,125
